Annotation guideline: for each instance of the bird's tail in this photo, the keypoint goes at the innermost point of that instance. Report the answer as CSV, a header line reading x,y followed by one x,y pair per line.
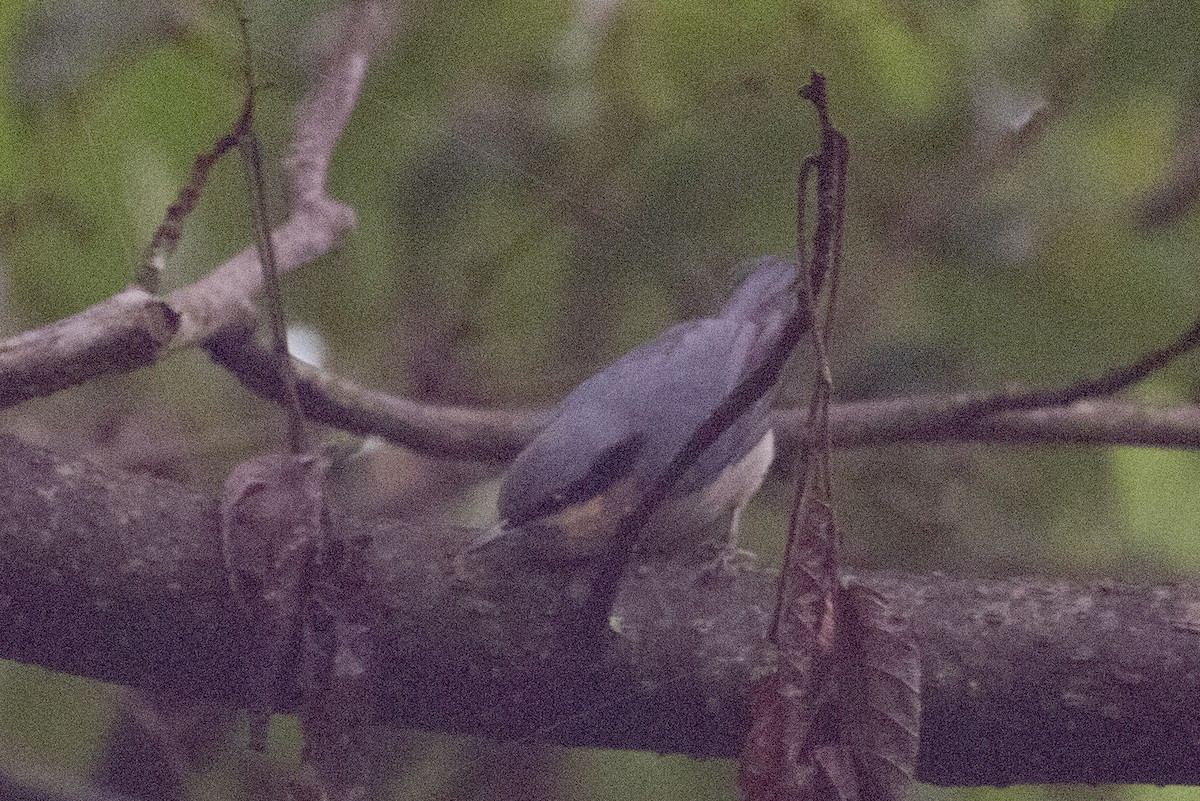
x,y
768,296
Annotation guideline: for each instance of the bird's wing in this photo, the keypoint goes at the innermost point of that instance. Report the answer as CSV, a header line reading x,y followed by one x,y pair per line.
x,y
633,417
566,465
630,418
766,297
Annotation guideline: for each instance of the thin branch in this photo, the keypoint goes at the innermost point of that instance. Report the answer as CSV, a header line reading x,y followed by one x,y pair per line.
x,y
325,111
297,435
167,235
965,412
134,329
446,431
497,435
119,334
1110,383
933,419
226,297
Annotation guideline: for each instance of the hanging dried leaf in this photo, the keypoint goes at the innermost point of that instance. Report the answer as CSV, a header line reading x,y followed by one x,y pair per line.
x,y
834,776
340,674
337,706
842,723
794,707
839,719
272,514
880,683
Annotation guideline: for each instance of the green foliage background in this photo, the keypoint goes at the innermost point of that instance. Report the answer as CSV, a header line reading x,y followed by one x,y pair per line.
x,y
540,187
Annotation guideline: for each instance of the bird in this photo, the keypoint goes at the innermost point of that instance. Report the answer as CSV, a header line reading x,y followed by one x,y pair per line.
x,y
614,434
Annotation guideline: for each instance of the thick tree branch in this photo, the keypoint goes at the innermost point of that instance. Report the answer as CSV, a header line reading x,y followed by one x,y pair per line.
x,y
119,577
133,329
119,334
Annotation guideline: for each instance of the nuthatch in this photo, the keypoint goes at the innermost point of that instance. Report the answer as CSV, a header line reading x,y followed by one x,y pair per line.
x,y
616,433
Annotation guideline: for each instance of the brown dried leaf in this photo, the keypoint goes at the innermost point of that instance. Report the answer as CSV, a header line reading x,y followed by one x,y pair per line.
x,y
340,674
880,684
272,517
834,777
337,708
843,724
792,707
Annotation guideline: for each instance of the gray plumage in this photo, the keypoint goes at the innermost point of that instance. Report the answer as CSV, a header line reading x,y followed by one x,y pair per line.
x,y
629,420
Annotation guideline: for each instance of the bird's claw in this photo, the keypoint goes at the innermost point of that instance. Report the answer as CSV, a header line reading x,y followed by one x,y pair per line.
x,y
726,562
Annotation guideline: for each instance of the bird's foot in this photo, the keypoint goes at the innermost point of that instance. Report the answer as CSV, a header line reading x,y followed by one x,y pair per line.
x,y
726,561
